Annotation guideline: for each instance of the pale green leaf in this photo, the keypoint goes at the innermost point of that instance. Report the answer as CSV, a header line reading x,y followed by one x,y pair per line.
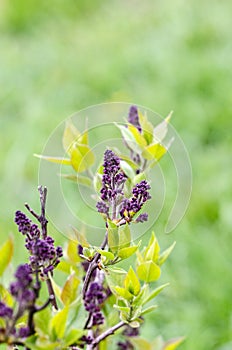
x,y
172,344
140,343
147,127
154,151
113,236
125,309
127,169
148,271
81,239
70,135
58,323
124,236
161,129
132,282
72,251
69,291
122,292
106,254
59,160
72,336
137,136
6,253
129,138
155,292
149,309
163,257
115,277
125,253
81,157
80,179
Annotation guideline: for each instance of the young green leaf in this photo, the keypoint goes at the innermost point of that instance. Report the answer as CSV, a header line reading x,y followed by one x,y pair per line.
x,y
154,151
122,292
172,344
129,138
161,129
125,253
154,293
106,254
58,323
163,257
127,169
148,271
81,157
113,236
70,135
140,343
132,282
79,179
147,128
149,309
72,336
124,236
59,160
69,291
6,253
137,136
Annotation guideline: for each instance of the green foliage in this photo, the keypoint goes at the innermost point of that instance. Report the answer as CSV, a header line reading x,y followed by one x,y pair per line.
x,y
6,253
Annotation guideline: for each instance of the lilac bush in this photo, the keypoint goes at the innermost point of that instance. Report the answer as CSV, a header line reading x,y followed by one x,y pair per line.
x,y
101,305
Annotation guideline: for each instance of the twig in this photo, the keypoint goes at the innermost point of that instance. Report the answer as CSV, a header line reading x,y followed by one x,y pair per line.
x,y
93,265
107,333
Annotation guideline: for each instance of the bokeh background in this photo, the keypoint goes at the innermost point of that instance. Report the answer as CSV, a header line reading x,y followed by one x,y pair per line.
x,y
58,57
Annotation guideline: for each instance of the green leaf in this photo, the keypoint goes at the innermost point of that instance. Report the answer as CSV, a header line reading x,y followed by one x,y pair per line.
x,y
154,151
6,253
149,309
127,169
69,291
59,160
70,135
155,292
80,238
137,136
42,319
135,324
125,253
72,336
97,182
81,157
147,127
124,236
163,257
140,343
58,323
5,296
113,236
129,138
172,344
125,309
106,254
72,251
152,251
122,292
132,282
80,179
115,277
139,177
161,129
148,271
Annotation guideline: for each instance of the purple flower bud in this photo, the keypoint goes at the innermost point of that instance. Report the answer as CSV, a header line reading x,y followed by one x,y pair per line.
x,y
133,118
23,332
142,217
5,311
102,208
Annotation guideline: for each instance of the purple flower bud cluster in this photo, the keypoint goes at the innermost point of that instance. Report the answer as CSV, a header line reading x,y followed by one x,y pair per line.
x,y
128,332
6,312
22,289
133,118
43,254
129,207
113,181
94,297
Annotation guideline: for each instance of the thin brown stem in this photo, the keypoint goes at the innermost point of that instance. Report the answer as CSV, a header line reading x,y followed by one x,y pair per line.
x,y
107,333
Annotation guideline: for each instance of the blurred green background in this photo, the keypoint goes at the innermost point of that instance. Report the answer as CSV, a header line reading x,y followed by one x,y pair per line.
x,y
60,56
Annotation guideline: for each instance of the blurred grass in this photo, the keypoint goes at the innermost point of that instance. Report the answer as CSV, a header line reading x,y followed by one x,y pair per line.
x,y
60,56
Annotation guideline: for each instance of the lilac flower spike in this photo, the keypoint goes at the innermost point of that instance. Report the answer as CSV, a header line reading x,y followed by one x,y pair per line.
x,y
43,254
